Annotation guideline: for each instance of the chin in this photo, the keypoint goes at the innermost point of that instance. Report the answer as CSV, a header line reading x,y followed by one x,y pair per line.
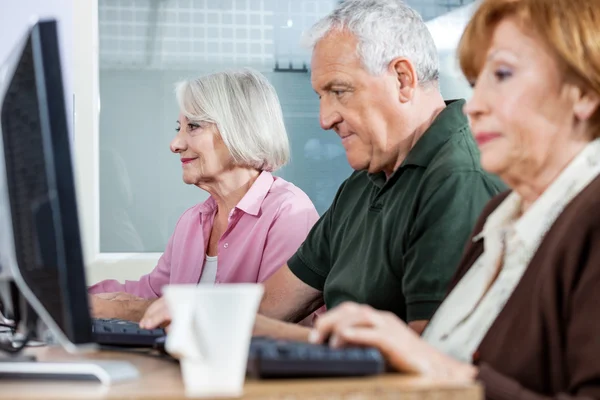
x,y
356,163
493,163
189,180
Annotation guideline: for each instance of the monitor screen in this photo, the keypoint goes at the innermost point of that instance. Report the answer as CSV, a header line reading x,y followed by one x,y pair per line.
x,y
39,226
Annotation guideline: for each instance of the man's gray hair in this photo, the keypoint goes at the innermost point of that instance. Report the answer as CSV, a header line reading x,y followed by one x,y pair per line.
x,y
385,29
246,109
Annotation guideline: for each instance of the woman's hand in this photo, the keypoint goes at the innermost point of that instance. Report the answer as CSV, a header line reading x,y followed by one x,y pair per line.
x,y
156,315
117,296
351,323
118,305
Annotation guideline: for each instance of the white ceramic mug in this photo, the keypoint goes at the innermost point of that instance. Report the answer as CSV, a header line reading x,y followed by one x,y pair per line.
x,y
210,332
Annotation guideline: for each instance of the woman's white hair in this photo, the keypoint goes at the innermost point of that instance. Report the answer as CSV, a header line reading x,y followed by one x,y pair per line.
x,y
385,29
246,110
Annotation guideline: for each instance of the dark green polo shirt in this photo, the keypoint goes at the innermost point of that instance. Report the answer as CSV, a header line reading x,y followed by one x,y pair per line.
x,y
395,244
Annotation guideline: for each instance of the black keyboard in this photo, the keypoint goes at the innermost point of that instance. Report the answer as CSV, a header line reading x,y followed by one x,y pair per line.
x,y
272,358
117,332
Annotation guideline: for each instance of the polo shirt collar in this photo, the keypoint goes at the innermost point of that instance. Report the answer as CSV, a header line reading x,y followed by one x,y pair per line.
x,y
252,200
449,121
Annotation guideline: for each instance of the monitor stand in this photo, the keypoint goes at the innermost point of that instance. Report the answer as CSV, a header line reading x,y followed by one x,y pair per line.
x,y
27,367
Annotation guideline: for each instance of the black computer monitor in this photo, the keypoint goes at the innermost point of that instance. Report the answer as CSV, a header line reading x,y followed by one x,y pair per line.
x,y
40,245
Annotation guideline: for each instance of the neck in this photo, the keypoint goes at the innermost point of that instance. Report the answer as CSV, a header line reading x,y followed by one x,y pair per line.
x,y
429,105
530,183
229,188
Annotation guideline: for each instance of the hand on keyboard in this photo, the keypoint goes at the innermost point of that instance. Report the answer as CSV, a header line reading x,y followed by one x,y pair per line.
x,y
115,332
272,358
118,305
156,315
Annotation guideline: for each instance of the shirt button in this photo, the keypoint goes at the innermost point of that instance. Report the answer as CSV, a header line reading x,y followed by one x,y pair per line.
x,y
226,245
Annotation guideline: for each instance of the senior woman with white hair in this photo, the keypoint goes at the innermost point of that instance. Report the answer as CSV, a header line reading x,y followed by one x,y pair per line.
x,y
230,138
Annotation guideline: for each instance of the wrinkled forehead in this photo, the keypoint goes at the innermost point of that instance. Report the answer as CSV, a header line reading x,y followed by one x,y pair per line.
x,y
333,57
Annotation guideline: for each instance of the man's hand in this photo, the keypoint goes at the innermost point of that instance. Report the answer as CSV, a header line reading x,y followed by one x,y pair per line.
x,y
118,305
265,326
156,315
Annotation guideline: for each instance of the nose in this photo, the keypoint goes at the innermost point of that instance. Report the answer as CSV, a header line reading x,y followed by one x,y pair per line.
x,y
329,117
178,144
475,107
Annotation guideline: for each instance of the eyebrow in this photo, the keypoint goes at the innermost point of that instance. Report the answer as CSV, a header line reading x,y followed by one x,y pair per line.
x,y
336,82
495,52
492,55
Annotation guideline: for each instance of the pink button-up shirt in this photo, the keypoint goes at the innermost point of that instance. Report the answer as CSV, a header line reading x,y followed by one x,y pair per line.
x,y
265,229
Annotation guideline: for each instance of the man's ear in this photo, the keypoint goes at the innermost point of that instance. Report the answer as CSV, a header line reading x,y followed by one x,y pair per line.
x,y
406,76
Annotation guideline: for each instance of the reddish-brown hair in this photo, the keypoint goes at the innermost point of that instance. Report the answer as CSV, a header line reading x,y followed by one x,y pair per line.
x,y
570,29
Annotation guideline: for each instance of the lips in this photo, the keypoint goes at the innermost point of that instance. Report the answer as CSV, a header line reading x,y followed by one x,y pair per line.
x,y
187,160
485,137
345,138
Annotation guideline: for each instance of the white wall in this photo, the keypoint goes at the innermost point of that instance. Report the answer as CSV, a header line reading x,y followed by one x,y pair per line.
x,y
15,18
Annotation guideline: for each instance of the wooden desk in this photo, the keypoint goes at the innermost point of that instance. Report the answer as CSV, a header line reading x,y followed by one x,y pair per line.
x,y
161,379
